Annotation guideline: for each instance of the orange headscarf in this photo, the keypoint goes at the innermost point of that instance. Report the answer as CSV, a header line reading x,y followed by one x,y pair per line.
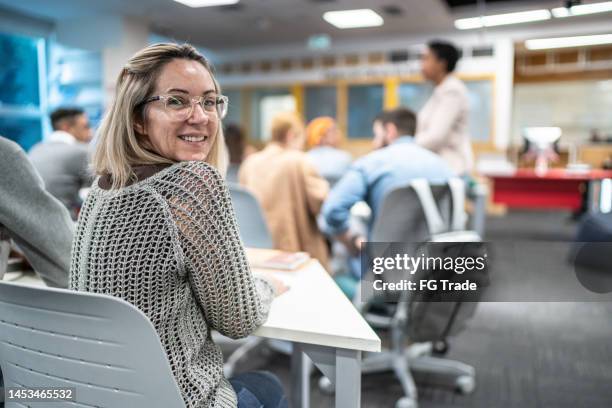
x,y
317,128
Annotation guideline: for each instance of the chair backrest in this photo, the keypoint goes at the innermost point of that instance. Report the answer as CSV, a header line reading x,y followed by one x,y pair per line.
x,y
409,215
401,217
5,249
103,347
253,228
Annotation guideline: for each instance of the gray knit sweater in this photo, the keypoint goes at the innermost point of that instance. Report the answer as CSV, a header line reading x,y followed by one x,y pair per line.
x,y
169,245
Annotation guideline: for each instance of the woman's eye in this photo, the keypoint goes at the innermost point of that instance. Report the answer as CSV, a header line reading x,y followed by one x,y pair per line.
x,y
176,102
210,102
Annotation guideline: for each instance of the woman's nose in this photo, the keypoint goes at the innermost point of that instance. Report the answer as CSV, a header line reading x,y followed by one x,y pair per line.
x,y
198,114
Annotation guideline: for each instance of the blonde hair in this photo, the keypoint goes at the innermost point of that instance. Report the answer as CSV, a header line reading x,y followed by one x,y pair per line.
x,y
118,147
282,123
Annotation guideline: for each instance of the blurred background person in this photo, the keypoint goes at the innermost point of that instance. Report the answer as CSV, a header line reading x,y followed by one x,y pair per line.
x,y
238,148
62,159
443,121
323,137
289,189
378,131
371,177
34,219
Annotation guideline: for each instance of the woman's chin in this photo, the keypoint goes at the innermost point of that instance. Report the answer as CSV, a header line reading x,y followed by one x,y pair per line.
x,y
193,156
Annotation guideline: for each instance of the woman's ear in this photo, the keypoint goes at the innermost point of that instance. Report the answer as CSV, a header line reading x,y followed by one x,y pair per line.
x,y
139,126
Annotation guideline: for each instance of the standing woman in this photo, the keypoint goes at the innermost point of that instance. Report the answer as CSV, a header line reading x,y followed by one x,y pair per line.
x,y
442,124
158,229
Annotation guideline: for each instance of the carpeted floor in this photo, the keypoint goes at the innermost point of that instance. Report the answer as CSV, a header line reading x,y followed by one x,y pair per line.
x,y
526,355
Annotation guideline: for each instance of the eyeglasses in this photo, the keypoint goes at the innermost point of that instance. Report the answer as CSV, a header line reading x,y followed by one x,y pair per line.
x,y
181,107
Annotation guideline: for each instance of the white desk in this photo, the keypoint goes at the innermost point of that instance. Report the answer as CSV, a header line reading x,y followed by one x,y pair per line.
x,y
322,323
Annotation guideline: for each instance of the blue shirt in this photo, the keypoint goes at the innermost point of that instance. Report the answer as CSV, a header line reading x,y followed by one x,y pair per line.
x,y
375,174
331,163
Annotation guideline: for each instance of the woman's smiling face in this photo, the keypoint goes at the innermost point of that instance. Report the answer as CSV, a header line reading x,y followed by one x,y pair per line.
x,y
181,139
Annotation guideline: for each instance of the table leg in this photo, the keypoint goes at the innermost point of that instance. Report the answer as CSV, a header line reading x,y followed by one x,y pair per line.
x,y
348,378
300,377
605,196
341,366
593,196
479,200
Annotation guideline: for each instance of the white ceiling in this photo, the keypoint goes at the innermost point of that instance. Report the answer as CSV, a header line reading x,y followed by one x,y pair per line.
x,y
264,22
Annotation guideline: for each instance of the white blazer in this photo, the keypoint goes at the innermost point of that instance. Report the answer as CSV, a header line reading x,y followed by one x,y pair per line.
x,y
442,125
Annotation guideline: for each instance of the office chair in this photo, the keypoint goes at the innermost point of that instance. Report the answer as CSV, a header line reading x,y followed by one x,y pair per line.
x,y
101,346
253,228
415,213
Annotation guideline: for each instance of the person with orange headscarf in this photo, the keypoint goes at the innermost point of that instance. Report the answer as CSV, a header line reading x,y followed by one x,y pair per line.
x,y
323,137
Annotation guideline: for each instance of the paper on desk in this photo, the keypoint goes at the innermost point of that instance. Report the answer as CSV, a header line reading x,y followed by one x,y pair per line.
x,y
274,259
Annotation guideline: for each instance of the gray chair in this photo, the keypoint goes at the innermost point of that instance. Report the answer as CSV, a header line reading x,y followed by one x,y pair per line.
x,y
253,228
103,347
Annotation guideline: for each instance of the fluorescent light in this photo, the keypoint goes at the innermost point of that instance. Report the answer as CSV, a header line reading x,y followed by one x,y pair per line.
x,y
565,42
582,9
502,19
353,18
206,3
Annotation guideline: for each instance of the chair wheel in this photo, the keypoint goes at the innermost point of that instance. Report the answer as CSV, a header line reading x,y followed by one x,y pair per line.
x,y
465,384
326,386
440,347
406,402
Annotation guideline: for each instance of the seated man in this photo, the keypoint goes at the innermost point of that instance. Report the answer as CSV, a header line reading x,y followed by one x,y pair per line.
x,y
371,177
288,188
62,159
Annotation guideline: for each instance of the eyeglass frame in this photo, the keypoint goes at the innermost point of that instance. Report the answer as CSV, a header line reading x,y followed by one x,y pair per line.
x,y
197,99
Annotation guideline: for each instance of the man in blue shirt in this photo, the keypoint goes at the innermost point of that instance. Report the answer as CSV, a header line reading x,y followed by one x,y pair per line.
x,y
370,178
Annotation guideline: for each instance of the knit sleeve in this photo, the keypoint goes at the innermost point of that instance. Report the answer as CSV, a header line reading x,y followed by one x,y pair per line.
x,y
234,302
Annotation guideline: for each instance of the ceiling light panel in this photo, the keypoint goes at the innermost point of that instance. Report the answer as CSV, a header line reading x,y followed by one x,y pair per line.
x,y
206,3
502,19
566,42
353,18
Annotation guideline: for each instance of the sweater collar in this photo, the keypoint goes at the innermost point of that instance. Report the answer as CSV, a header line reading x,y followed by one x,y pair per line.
x,y
142,172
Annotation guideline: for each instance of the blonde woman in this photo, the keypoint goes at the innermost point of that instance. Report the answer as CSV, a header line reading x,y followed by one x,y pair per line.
x,y
158,229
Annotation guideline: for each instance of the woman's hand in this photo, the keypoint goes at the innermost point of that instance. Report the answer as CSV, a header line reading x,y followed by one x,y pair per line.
x,y
278,285
352,241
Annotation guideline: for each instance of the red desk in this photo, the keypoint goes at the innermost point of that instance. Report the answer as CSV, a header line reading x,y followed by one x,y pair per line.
x,y
556,189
